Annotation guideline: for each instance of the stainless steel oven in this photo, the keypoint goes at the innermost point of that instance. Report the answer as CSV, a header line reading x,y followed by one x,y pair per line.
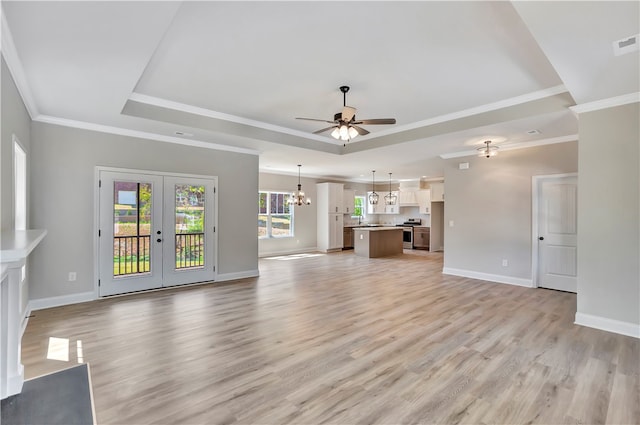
x,y
407,231
407,237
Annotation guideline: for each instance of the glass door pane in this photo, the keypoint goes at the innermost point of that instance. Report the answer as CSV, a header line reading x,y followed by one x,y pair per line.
x,y
132,209
189,213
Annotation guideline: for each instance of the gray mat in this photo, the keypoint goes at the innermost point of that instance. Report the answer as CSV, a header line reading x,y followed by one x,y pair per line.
x,y
59,398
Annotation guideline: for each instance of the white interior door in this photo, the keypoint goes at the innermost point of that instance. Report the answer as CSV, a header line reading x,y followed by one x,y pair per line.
x,y
154,231
557,233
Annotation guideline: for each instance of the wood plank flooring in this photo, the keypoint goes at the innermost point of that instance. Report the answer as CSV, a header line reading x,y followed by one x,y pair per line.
x,y
346,340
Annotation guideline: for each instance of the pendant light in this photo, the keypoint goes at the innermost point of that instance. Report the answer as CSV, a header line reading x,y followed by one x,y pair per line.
x,y
373,196
298,198
488,150
390,199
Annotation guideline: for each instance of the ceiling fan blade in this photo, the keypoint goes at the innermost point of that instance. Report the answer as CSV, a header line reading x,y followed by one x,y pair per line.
x,y
348,112
361,131
314,119
324,129
376,121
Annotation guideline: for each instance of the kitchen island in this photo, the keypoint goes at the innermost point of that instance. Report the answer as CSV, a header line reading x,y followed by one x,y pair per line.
x,y
376,242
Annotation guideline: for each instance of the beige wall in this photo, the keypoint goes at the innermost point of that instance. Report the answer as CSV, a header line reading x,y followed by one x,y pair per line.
x,y
15,120
490,205
63,165
608,216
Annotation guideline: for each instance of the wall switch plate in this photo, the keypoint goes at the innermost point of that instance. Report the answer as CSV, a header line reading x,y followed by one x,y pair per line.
x,y
361,236
450,223
505,263
72,276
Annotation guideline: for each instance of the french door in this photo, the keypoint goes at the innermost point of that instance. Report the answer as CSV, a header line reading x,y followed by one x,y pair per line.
x,y
154,231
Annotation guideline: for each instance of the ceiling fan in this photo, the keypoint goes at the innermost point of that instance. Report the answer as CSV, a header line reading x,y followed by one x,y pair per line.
x,y
345,125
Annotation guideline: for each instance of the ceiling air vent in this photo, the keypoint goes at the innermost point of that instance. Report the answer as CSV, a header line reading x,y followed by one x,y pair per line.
x,y
626,45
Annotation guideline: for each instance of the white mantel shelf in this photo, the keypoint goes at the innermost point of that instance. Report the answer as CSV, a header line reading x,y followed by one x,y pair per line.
x,y
15,247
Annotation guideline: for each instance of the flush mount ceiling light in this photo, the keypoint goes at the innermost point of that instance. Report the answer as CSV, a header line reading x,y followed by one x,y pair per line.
x,y
488,150
390,199
373,196
298,198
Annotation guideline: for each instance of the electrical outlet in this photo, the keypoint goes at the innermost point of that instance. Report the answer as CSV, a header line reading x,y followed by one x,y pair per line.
x,y
72,276
505,263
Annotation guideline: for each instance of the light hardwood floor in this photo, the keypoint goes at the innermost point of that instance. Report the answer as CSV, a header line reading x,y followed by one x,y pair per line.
x,y
343,339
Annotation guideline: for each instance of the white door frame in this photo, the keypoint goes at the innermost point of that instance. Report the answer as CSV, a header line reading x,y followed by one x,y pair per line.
x,y
96,215
535,210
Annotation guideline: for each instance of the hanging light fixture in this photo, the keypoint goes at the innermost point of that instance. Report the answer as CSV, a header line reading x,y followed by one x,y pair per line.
x,y
488,150
298,198
373,196
390,199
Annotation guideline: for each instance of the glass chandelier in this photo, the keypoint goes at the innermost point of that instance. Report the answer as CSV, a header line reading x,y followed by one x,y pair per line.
x,y
298,198
390,199
373,196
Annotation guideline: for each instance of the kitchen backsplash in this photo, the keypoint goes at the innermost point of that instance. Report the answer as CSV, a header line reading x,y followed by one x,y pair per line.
x,y
391,219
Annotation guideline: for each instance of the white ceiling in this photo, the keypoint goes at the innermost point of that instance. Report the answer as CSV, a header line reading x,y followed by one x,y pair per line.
x,y
237,74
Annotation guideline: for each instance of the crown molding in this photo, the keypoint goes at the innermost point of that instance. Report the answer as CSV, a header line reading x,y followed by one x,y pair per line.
x,y
14,64
505,103
140,134
196,110
611,102
514,146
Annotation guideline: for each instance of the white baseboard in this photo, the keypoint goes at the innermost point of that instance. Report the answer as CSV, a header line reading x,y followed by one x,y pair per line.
x,y
290,252
609,325
42,303
221,277
527,283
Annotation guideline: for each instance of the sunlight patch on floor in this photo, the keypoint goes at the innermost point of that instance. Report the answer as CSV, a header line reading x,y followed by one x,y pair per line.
x,y
294,256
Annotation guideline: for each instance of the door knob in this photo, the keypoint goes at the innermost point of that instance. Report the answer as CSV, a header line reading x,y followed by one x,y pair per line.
x,y
158,232
159,240
541,238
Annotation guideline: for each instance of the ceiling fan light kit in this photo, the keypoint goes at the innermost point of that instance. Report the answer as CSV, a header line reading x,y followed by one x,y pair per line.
x,y
345,126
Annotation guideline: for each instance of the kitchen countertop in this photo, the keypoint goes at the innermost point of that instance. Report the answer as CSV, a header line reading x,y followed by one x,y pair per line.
x,y
377,229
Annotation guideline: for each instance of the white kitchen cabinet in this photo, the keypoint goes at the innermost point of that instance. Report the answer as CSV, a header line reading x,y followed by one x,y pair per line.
x,y
330,220
330,232
349,201
330,197
423,197
437,192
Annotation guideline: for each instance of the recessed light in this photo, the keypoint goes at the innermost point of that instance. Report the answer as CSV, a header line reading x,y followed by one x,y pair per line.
x,y
182,133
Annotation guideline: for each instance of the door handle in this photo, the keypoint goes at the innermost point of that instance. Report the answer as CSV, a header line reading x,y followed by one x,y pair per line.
x,y
541,238
159,240
158,232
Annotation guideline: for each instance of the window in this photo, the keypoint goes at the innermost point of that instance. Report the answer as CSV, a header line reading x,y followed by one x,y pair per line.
x,y
360,209
20,185
275,215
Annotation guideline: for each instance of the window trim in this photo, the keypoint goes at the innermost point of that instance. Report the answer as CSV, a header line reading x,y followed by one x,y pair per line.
x,y
20,189
363,206
268,214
